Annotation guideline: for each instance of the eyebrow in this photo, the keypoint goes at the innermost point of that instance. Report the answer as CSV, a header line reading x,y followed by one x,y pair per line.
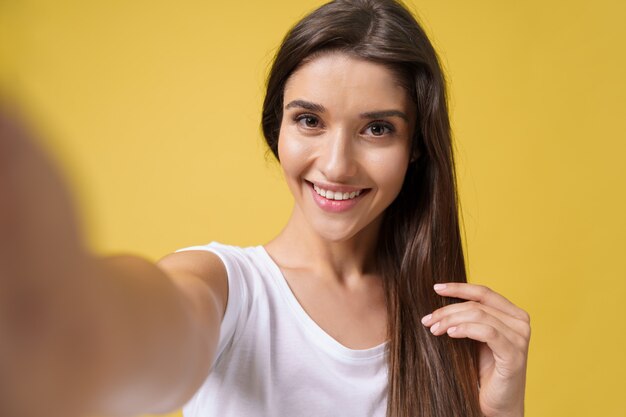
x,y
384,113
307,105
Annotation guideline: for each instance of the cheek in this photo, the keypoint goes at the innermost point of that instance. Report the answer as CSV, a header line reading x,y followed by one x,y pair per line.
x,y
389,170
293,154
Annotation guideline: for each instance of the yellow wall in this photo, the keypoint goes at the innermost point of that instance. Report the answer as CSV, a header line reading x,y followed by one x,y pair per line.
x,y
153,109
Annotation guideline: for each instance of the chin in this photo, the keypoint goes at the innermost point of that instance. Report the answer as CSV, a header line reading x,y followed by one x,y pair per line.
x,y
334,237
336,228
337,233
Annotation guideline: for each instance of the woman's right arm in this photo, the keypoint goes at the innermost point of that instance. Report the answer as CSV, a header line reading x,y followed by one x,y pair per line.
x,y
81,334
160,329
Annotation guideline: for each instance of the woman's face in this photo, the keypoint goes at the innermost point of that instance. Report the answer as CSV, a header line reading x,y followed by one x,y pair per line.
x,y
344,142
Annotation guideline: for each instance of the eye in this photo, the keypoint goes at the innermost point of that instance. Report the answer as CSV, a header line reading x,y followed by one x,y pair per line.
x,y
308,121
380,128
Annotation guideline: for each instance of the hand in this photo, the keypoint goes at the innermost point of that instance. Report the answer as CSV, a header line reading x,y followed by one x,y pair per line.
x,y
42,279
37,217
503,329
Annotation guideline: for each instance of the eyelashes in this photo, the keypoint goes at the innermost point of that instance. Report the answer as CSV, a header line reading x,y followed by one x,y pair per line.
x,y
308,121
376,128
381,127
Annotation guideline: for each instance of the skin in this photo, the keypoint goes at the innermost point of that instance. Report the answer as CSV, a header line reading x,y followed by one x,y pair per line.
x,y
77,332
327,257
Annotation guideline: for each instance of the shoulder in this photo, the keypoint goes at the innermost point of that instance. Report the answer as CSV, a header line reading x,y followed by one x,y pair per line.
x,y
215,265
196,269
197,260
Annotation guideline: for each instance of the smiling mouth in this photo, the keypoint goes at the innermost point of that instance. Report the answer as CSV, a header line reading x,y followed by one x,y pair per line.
x,y
338,195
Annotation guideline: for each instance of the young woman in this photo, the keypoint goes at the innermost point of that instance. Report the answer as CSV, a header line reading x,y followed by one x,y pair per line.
x,y
359,307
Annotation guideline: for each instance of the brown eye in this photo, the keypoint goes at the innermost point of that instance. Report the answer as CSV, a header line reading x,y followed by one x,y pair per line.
x,y
380,129
308,121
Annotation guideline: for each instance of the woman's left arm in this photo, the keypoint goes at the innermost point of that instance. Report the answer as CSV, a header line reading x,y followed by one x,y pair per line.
x,y
504,330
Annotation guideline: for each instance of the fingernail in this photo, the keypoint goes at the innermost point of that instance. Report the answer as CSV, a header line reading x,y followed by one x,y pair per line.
x,y
434,328
427,318
451,330
439,287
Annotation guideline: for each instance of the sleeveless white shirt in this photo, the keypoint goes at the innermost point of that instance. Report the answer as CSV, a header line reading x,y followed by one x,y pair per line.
x,y
274,360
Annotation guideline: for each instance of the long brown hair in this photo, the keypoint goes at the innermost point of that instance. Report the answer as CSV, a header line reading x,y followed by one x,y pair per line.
x,y
420,242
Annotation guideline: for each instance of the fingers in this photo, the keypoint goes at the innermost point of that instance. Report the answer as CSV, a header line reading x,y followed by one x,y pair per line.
x,y
483,295
518,326
511,361
472,320
488,317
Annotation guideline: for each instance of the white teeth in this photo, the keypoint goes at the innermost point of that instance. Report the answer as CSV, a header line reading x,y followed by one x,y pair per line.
x,y
336,195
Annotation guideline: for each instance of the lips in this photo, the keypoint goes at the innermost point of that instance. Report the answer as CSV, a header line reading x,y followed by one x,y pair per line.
x,y
336,203
336,195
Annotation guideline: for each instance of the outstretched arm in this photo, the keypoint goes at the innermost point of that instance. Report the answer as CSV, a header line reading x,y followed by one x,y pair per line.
x,y
80,334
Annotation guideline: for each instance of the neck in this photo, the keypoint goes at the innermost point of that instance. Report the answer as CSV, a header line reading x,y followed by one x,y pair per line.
x,y
349,261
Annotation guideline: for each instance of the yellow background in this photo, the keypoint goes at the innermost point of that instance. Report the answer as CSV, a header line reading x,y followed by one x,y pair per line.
x,y
153,110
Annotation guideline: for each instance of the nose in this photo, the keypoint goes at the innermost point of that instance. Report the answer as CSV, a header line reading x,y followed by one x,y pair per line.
x,y
338,159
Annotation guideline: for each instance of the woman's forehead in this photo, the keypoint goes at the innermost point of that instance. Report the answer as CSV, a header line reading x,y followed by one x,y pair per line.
x,y
343,80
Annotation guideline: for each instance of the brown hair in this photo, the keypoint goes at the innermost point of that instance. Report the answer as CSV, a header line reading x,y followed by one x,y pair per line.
x,y
420,242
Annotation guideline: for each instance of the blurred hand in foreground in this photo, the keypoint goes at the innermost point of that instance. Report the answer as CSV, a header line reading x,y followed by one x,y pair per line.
x,y
42,283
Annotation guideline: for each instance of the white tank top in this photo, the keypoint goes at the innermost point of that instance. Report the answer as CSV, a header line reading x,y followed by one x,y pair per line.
x,y
273,360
